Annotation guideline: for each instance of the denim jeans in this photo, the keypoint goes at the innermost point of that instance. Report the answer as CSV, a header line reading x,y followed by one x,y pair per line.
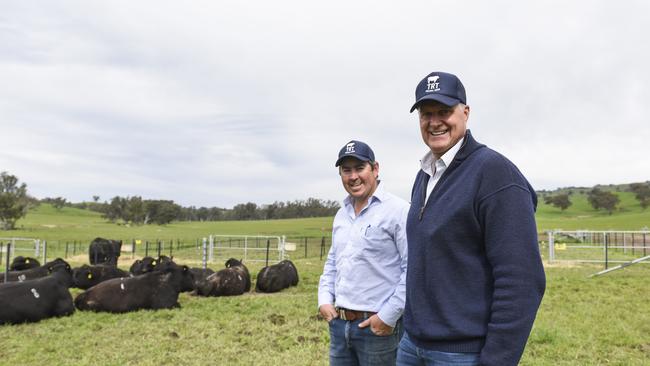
x,y
408,354
351,345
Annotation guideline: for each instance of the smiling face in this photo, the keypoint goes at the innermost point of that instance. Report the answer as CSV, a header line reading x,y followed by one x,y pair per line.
x,y
359,178
442,126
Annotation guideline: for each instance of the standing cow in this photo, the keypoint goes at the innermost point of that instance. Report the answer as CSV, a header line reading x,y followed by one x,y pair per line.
x,y
87,276
230,281
153,290
277,277
21,263
33,300
104,251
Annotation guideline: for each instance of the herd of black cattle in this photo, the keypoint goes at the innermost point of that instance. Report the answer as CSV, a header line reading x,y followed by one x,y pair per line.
x,y
33,291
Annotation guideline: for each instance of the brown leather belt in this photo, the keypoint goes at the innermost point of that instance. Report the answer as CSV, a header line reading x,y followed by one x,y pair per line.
x,y
352,315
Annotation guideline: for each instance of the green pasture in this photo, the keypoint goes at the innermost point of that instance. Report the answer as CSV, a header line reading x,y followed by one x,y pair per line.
x,y
603,320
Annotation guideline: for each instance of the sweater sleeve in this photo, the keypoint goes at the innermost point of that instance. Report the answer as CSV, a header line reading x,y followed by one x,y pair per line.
x,y
508,220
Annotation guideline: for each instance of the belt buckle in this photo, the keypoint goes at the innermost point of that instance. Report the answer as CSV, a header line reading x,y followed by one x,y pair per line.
x,y
341,312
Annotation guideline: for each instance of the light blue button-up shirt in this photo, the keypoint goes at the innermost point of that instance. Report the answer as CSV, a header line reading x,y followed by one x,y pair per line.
x,y
366,265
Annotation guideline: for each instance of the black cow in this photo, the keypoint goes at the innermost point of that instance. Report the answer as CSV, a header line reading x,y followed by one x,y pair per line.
x,y
230,281
200,275
87,276
148,264
38,272
33,300
21,263
104,251
153,290
277,277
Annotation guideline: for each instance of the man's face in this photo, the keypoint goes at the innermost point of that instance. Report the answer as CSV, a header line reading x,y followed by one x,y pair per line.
x,y
359,178
442,126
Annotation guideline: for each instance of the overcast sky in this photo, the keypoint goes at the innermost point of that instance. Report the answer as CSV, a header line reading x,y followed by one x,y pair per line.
x,y
215,103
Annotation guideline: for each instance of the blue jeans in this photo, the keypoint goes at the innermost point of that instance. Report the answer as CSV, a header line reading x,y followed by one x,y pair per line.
x,y
408,354
352,346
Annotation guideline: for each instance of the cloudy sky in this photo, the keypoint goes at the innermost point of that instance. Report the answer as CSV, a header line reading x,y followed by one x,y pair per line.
x,y
215,103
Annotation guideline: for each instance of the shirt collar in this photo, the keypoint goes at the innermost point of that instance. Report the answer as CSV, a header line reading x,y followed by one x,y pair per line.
x,y
428,159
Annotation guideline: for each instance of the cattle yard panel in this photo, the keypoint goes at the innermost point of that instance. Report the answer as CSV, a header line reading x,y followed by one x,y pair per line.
x,y
27,247
251,248
597,246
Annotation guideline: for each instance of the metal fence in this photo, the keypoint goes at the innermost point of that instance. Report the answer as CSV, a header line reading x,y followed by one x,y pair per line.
x,y
191,250
597,246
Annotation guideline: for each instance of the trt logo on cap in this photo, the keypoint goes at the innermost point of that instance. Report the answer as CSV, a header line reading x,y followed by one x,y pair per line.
x,y
349,148
433,84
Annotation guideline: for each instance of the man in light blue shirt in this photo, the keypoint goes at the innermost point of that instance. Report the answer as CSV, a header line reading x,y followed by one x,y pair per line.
x,y
362,289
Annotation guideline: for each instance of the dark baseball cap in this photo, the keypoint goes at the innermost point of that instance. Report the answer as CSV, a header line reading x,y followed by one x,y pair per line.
x,y
356,149
442,87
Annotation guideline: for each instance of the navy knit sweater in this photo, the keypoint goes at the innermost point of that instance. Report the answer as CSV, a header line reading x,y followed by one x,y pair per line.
x,y
475,277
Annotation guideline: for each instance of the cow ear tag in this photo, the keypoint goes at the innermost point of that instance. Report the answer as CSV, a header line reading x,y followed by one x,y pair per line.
x,y
154,263
90,276
26,260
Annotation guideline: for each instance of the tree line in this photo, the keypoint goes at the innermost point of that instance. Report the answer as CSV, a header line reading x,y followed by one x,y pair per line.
x,y
600,199
15,203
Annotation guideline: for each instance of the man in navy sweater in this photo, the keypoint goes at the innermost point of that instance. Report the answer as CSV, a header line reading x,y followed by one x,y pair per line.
x,y
475,277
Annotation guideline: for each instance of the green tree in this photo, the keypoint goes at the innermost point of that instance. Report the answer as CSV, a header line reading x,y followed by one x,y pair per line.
x,y
161,212
603,199
14,201
642,193
560,201
58,203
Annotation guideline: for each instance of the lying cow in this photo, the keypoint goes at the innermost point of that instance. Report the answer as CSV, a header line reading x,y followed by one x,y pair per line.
x,y
87,276
148,264
104,251
38,272
21,263
277,277
230,281
153,290
37,299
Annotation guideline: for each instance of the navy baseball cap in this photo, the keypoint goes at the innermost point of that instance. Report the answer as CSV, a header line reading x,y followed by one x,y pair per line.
x,y
356,149
442,87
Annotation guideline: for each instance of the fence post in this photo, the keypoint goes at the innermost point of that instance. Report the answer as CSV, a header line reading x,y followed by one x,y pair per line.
x,y
211,252
44,251
205,253
644,245
268,247
171,247
158,244
132,248
305,247
7,261
322,247
146,248
606,254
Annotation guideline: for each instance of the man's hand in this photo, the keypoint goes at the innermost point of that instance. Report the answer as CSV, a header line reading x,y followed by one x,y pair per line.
x,y
377,326
328,312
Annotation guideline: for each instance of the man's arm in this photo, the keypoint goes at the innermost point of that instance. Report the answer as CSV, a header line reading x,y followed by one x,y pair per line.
x,y
510,233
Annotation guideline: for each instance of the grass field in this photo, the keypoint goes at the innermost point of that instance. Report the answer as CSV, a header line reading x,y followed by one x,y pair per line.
x,y
582,321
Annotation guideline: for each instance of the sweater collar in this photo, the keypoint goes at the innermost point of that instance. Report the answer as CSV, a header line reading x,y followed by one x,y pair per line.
x,y
469,146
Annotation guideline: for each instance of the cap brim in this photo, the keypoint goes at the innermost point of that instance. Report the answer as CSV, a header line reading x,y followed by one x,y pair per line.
x,y
448,101
358,157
